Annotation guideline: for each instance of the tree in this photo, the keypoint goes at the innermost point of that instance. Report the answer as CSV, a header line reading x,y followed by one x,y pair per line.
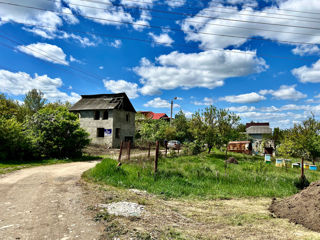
x,y
34,101
11,109
215,126
57,133
303,140
182,127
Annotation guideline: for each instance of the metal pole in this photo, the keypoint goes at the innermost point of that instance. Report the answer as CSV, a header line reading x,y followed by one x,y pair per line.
x,y
171,112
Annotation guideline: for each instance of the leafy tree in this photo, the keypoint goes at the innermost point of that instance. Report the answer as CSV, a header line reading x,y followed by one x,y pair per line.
x,y
303,140
182,127
57,133
11,109
34,101
15,142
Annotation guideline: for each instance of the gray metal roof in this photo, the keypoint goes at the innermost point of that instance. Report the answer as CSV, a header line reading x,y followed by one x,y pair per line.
x,y
259,130
103,102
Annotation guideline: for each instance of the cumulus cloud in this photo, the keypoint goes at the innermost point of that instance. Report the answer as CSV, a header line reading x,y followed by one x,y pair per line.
x,y
241,22
162,39
45,51
242,109
206,69
116,43
131,89
160,103
308,74
285,92
175,4
244,98
303,50
205,102
19,83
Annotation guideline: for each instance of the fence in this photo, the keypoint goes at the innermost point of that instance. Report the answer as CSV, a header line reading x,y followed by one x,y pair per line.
x,y
142,154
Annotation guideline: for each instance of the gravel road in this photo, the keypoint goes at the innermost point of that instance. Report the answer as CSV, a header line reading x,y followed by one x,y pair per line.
x,y
46,202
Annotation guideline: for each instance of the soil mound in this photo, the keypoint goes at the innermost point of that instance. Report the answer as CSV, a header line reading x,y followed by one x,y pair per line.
x,y
232,160
302,208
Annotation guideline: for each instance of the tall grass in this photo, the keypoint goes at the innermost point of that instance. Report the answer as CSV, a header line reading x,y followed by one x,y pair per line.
x,y
202,176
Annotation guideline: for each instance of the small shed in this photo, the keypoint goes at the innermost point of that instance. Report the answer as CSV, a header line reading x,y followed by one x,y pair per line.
x,y
240,147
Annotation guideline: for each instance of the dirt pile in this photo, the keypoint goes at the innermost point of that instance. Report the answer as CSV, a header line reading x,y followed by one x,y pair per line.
x,y
232,160
302,208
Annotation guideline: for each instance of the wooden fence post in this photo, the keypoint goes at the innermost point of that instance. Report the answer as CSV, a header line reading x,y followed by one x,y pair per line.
x,y
166,145
119,159
149,151
128,149
302,168
156,158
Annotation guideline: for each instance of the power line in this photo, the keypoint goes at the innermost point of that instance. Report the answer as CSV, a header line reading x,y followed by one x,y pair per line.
x,y
236,51
185,20
214,24
168,28
219,2
54,58
210,10
172,12
15,70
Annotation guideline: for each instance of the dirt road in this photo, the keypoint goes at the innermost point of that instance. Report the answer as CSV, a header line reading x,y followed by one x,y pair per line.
x,y
46,203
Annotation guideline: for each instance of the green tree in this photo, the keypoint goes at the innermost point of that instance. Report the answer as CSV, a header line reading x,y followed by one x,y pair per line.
x,y
15,142
56,133
11,109
34,101
303,140
182,127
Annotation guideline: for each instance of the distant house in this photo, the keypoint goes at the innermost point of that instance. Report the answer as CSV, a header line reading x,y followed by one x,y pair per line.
x,y
256,131
155,116
108,118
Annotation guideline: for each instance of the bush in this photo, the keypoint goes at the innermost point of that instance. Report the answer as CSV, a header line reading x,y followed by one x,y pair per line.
x,y
301,183
192,148
57,133
15,142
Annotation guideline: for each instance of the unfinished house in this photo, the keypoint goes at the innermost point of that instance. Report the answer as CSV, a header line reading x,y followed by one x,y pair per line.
x,y
108,118
257,131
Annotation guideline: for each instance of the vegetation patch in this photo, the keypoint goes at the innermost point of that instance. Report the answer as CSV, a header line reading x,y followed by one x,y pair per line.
x,y
203,176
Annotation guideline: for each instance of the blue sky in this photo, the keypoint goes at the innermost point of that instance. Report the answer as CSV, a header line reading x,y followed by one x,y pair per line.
x,y
260,59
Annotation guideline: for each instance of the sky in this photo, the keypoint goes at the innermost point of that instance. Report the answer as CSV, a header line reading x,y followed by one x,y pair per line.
x,y
259,59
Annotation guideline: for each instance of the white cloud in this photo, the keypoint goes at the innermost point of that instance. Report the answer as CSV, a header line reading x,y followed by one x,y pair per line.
x,y
101,67
20,83
308,74
244,98
241,22
116,43
317,96
188,114
206,69
144,4
45,51
285,93
175,3
68,16
160,103
205,102
131,89
304,50
242,109
72,59
179,98
162,39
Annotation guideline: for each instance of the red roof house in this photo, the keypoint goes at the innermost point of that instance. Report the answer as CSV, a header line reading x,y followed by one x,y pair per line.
x,y
155,116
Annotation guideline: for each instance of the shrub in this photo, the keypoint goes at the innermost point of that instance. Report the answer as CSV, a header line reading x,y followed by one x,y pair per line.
x,y
15,142
57,133
192,148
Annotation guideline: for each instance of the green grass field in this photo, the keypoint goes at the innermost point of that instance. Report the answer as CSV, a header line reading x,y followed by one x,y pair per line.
x,y
203,177
10,166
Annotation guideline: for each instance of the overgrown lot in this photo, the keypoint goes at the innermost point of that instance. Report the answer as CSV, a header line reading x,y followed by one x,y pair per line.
x,y
203,176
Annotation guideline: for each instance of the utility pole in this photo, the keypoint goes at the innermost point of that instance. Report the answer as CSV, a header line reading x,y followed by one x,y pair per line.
x,y
172,109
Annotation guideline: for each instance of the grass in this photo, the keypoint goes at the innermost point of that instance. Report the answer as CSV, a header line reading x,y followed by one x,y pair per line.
x,y
203,177
10,166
